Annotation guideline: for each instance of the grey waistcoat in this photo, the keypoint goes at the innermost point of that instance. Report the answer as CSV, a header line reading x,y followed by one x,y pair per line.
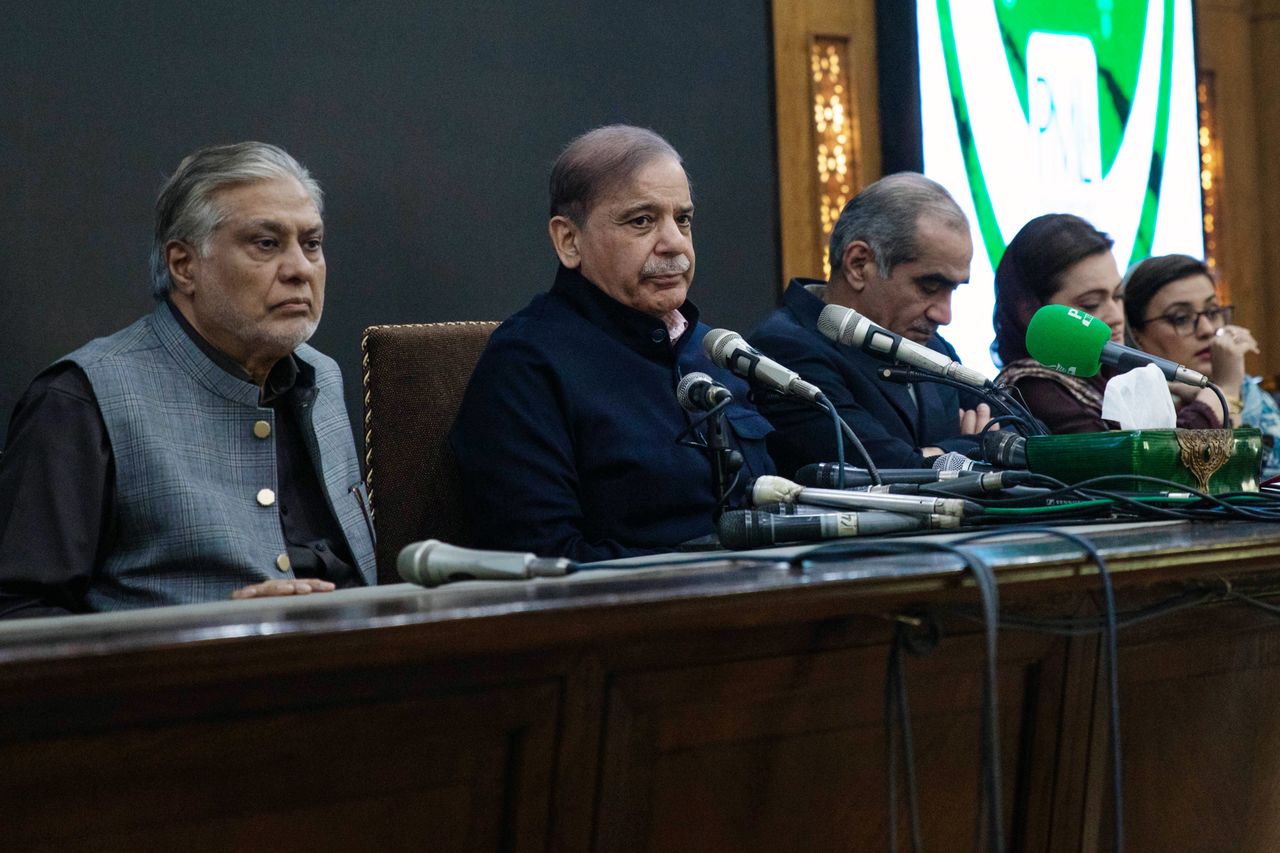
x,y
190,470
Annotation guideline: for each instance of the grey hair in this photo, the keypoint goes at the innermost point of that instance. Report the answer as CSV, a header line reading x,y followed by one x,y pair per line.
x,y
599,160
885,215
187,208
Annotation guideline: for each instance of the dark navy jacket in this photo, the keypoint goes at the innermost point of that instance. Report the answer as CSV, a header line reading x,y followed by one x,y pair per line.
x,y
889,423
566,439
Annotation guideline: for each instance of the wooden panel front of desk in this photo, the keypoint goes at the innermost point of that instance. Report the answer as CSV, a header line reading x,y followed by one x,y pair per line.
x,y
741,722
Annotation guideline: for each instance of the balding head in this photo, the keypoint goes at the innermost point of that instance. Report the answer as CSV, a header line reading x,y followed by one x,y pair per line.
x,y
597,162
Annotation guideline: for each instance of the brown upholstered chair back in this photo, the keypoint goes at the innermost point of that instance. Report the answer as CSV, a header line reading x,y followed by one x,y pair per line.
x,y
414,377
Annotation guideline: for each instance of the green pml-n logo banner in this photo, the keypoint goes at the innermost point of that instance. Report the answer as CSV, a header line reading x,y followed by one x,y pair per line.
x,y
1055,106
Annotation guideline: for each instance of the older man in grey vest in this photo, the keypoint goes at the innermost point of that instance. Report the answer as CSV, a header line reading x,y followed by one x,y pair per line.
x,y
204,452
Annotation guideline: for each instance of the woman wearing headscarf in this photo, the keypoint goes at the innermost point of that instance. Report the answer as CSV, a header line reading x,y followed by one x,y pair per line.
x,y
1061,259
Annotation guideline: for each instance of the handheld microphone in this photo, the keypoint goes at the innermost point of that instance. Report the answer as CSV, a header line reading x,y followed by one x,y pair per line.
x,y
826,475
741,529
1075,342
728,350
846,326
791,509
768,489
953,461
698,392
1004,449
432,562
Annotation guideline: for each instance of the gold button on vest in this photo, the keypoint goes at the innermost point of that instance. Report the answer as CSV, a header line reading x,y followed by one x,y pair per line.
x,y
282,562
266,497
262,429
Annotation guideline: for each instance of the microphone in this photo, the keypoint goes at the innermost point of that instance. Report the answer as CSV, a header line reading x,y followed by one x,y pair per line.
x,y
913,481
826,475
433,562
791,509
953,461
1004,449
742,529
1075,342
728,350
846,326
698,392
767,489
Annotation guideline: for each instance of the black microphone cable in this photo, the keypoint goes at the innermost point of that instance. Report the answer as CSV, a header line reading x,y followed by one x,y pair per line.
x,y
683,439
872,471
1111,658
990,823
1014,410
1222,400
845,432
899,740
837,422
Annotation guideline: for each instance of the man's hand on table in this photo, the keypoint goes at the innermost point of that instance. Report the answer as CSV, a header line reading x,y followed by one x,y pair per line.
x,y
300,586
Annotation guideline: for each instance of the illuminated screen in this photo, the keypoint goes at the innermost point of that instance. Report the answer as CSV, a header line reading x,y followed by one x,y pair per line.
x,y
1053,106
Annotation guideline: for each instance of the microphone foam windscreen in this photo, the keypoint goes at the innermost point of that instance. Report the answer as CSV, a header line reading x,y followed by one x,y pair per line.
x,y
772,489
1067,339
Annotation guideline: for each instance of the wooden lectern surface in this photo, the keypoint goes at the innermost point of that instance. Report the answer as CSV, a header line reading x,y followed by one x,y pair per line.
x,y
731,706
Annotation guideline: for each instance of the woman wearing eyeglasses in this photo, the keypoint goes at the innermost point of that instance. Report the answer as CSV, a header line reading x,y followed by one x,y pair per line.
x,y
1172,310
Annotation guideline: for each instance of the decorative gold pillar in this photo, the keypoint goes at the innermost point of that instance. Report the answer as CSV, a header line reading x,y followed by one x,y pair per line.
x,y
1211,180
835,133
828,120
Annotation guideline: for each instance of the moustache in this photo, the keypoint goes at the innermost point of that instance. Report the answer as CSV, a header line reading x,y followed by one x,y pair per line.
x,y
666,266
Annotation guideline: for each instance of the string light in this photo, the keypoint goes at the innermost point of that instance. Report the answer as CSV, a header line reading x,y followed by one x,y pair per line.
x,y
833,134
1210,178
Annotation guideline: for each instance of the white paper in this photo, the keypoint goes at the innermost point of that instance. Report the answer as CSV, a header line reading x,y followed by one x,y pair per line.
x,y
1140,399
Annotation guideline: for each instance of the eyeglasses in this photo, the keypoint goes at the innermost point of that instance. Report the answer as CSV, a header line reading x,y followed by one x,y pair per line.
x,y
1186,322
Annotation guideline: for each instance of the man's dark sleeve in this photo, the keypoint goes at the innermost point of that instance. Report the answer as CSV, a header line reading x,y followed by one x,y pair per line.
x,y
56,486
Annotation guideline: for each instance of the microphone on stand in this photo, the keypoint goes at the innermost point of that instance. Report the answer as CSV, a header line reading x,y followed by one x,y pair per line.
x,y
698,392
729,350
1075,342
846,326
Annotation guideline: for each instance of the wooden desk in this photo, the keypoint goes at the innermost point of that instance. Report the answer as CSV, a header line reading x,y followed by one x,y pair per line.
x,y
731,707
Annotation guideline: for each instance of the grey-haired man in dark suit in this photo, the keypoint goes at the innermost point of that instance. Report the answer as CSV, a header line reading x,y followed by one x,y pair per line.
x,y
204,452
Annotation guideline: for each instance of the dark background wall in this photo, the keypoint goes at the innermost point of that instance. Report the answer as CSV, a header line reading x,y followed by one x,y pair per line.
x,y
431,127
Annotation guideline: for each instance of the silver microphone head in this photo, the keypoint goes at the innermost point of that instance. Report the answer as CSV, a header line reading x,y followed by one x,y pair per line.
x,y
843,325
686,385
717,344
952,461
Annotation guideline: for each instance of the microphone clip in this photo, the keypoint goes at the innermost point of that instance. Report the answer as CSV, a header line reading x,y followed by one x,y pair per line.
x,y
904,375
